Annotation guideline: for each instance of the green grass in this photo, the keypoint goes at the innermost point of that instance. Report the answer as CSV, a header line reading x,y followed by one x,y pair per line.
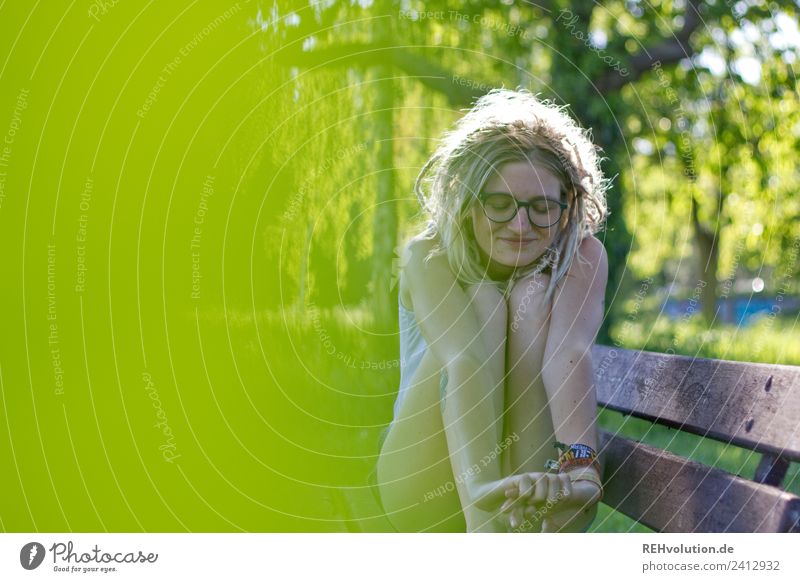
x,y
769,340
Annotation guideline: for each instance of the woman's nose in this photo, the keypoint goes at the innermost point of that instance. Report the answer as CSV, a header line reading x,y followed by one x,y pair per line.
x,y
520,223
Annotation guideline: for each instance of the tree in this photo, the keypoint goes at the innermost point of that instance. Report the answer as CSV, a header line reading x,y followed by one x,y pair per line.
x,y
596,57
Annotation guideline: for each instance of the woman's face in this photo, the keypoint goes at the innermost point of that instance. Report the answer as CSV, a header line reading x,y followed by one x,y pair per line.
x,y
517,243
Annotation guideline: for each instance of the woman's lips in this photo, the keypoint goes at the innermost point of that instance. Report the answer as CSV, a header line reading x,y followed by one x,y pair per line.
x,y
517,241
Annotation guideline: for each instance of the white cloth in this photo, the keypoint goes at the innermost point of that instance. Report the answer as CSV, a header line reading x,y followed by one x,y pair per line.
x,y
412,349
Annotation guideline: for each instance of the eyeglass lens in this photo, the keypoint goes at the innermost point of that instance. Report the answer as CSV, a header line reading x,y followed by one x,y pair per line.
x,y
542,212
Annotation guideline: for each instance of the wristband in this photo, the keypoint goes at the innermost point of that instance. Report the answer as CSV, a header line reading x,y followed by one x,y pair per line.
x,y
588,477
572,457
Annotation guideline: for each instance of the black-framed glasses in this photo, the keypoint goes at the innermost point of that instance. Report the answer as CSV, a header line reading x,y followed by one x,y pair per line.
x,y
542,212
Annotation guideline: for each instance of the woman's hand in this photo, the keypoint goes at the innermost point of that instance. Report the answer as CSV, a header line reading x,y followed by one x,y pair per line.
x,y
489,496
575,513
531,493
561,505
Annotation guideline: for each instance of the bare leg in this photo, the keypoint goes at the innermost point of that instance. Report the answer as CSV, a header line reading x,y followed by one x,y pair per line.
x,y
490,308
415,477
528,414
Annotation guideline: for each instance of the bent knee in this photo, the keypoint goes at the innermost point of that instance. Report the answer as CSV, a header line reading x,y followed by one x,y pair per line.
x,y
485,293
534,285
527,299
490,306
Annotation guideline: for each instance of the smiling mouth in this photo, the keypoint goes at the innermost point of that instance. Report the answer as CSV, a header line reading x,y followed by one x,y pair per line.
x,y
518,241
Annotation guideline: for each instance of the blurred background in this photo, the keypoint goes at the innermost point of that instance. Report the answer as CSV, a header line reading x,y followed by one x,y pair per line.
x,y
202,203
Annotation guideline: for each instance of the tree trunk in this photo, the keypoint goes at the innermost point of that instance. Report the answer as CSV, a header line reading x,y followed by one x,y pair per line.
x,y
570,57
707,241
301,297
385,233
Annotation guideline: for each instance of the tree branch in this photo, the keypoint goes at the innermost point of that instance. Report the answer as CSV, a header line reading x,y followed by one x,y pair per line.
x,y
666,52
459,91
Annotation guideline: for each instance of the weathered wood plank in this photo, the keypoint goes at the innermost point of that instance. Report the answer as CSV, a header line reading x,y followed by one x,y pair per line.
x,y
755,406
672,494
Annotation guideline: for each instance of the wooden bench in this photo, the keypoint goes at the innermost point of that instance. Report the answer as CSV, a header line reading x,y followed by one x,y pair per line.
x,y
753,406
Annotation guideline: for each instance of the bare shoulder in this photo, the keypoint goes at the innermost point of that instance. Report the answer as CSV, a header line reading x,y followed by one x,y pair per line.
x,y
419,246
591,250
415,254
591,259
415,264
589,269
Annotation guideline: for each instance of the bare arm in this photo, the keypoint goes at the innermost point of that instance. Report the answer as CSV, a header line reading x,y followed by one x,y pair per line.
x,y
567,370
567,373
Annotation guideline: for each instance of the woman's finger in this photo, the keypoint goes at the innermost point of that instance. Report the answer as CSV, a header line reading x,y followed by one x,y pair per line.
x,y
516,517
553,489
525,487
566,485
512,491
540,493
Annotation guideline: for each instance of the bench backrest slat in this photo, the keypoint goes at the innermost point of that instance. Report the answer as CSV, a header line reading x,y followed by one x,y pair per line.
x,y
672,494
755,406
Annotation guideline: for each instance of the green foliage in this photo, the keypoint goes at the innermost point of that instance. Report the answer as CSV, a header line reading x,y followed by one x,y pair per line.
x,y
768,339
243,313
723,141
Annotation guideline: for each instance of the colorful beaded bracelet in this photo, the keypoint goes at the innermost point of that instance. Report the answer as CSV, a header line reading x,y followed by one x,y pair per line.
x,y
572,457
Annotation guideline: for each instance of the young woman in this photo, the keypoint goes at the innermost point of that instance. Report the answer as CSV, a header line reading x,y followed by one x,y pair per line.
x,y
501,296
